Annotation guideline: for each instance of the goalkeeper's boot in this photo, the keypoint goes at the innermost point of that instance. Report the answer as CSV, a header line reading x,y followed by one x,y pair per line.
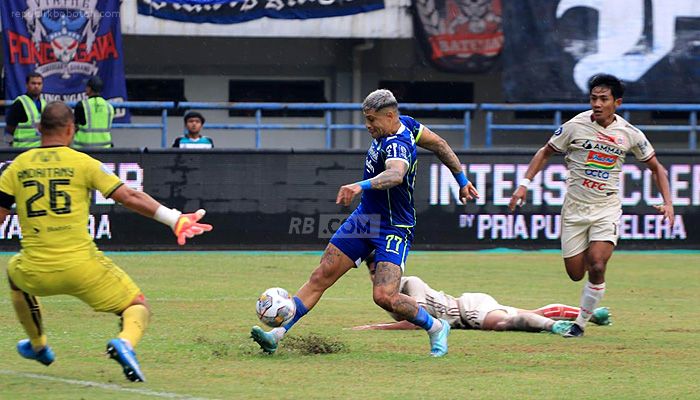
x,y
561,327
601,316
44,356
266,340
574,331
438,340
122,352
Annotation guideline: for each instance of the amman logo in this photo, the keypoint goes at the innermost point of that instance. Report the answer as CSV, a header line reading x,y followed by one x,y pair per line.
x,y
63,25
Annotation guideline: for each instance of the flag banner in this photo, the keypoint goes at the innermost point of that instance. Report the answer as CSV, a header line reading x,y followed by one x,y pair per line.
x,y
67,42
459,35
553,47
231,12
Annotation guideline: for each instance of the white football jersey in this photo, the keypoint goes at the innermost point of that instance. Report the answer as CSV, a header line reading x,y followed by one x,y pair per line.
x,y
437,304
595,155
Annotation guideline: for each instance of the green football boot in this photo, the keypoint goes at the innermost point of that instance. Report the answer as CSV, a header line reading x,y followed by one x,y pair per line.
x,y
601,316
266,340
561,327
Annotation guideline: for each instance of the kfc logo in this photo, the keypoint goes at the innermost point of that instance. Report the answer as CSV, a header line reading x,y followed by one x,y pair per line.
x,y
587,183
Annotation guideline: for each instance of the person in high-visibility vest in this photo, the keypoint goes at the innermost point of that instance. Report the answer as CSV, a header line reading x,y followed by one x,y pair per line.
x,y
93,118
23,115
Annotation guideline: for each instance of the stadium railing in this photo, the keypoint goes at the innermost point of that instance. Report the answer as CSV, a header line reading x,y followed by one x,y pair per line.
x,y
328,125
626,109
164,106
465,126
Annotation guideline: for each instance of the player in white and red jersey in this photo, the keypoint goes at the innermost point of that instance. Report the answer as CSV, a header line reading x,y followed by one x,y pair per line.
x,y
595,144
481,310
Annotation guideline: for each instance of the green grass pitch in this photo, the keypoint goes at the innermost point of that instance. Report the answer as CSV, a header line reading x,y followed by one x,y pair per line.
x,y
198,343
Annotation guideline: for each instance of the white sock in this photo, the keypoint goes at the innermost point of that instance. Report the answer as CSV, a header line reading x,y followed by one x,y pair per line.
x,y
278,332
590,297
437,326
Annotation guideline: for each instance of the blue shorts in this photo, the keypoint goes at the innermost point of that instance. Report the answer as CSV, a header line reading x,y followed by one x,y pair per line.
x,y
390,243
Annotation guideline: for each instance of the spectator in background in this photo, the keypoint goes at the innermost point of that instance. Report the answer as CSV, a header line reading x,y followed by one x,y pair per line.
x,y
93,117
23,115
193,138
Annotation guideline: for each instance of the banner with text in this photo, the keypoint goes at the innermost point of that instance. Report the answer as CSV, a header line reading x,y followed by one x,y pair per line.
x,y
553,47
67,42
231,12
460,36
287,201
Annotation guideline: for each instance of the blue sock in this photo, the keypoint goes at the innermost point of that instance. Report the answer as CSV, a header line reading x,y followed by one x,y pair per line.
x,y
422,319
300,312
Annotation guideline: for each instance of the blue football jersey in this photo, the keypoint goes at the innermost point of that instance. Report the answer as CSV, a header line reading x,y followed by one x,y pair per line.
x,y
395,205
413,126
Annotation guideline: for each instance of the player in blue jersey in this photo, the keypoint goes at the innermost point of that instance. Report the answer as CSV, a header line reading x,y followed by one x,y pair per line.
x,y
383,222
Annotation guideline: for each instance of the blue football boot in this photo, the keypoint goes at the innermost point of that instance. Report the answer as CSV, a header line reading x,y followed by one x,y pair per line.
x,y
121,352
44,356
438,340
266,340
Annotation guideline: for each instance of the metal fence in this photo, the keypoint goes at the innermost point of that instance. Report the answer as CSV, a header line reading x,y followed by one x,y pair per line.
x,y
691,128
465,126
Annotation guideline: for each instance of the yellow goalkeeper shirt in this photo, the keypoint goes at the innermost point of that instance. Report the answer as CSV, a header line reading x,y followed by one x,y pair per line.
x,y
51,187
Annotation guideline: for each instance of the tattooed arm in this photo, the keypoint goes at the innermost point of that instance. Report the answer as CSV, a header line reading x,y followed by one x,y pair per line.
x,y
392,176
430,140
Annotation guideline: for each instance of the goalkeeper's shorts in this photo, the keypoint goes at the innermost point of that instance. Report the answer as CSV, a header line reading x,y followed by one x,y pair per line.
x,y
98,282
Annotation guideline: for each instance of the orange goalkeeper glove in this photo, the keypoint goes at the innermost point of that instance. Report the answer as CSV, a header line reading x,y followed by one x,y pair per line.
x,y
183,225
187,226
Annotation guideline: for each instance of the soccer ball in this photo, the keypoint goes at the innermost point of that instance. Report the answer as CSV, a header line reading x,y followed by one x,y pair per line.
x,y
275,307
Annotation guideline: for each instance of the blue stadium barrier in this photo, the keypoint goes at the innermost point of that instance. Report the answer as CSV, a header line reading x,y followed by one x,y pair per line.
x,y
328,124
164,106
691,128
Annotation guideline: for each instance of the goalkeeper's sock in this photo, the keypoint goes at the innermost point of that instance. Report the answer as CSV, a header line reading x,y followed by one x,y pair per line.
x,y
426,321
558,311
28,312
134,323
590,297
301,310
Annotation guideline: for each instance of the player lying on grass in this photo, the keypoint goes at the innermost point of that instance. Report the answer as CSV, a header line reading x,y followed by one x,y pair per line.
x,y
51,186
481,311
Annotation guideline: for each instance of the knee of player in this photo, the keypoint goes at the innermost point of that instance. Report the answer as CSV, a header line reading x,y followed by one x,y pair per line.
x,y
383,300
141,299
574,276
597,268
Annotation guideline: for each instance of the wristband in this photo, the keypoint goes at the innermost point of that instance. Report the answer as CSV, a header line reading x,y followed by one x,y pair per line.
x,y
524,182
365,185
167,216
461,179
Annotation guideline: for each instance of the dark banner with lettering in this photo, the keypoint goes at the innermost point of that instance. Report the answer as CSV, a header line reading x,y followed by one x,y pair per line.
x,y
278,200
231,12
458,35
553,47
67,42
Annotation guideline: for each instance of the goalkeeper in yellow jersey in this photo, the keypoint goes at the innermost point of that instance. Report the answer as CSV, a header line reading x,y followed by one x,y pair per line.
x,y
51,187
